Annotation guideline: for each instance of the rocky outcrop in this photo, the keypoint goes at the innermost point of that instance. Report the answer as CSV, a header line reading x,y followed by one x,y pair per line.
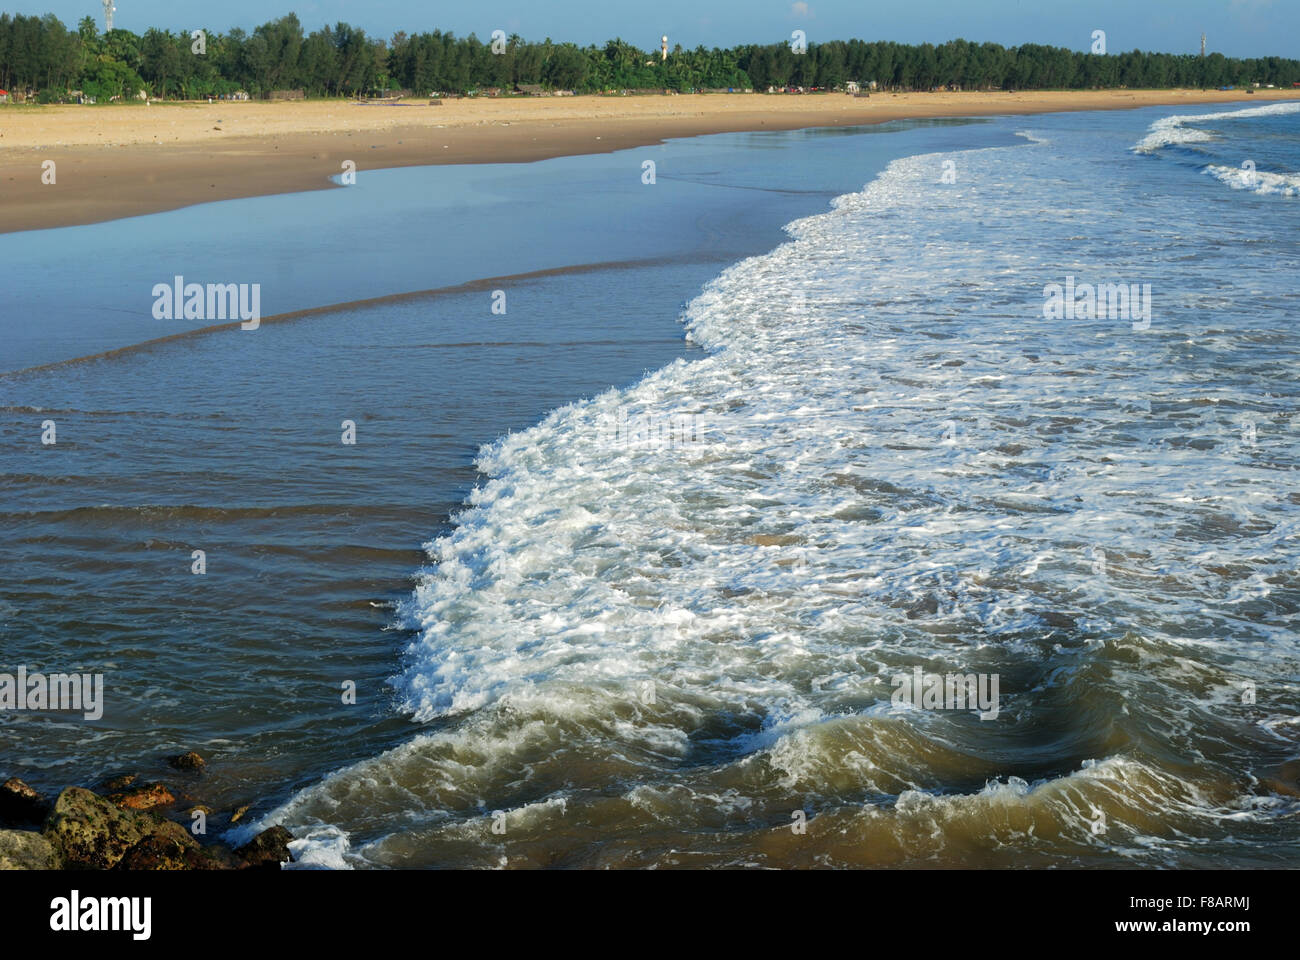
x,y
150,796
187,761
268,850
118,784
27,850
92,833
157,852
125,830
20,804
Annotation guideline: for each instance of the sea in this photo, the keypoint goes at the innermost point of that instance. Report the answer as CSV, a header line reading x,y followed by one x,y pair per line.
x,y
922,494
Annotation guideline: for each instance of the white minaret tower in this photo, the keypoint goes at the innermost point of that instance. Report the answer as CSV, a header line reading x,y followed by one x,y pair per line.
x,y
1202,45
663,51
108,15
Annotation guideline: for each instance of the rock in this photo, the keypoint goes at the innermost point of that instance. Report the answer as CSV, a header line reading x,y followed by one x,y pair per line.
x,y
157,852
147,797
91,833
26,850
19,803
120,783
268,849
188,761
218,857
197,816
239,814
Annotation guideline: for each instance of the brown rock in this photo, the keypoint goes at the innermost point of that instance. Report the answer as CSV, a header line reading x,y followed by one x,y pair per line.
x,y
19,803
120,783
147,797
239,814
188,761
268,849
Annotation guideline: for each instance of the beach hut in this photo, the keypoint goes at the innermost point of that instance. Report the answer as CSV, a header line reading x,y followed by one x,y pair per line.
x,y
4,96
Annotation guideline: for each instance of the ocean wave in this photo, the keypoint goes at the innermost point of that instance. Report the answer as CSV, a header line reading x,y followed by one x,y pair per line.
x,y
1175,130
1256,181
893,462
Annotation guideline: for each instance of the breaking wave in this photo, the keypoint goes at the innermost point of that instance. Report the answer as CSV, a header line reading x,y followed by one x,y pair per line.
x,y
651,652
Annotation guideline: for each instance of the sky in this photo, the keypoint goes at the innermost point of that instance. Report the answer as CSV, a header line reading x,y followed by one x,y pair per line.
x,y
1241,28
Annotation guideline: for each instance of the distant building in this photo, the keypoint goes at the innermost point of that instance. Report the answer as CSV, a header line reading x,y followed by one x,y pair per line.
x,y
4,96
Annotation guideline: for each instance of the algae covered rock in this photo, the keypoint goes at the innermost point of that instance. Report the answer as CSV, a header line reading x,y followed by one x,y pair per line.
x,y
187,761
91,833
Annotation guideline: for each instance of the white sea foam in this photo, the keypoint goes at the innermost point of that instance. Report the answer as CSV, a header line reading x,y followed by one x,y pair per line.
x,y
1256,181
904,463
1175,131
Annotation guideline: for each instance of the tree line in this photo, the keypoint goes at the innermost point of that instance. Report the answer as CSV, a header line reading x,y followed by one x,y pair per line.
x,y
40,53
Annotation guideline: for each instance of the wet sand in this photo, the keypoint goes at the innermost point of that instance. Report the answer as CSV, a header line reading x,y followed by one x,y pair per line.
x,y
128,160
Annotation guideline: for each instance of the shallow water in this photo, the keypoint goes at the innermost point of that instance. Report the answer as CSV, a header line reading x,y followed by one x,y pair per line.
x,y
230,442
683,652
668,628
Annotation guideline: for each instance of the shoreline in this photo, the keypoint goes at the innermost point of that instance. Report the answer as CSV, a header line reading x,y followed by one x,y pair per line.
x,y
112,161
163,846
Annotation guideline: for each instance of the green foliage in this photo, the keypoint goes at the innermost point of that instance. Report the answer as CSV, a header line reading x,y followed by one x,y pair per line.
x,y
105,79
40,53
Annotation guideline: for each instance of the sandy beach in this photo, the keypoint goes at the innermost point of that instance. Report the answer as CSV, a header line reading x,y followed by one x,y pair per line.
x,y
128,160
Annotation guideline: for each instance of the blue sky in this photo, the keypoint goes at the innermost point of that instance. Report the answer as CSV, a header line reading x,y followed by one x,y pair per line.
x,y
1235,27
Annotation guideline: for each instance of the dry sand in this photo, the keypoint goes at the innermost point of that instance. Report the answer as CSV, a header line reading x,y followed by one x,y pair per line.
x,y
126,160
